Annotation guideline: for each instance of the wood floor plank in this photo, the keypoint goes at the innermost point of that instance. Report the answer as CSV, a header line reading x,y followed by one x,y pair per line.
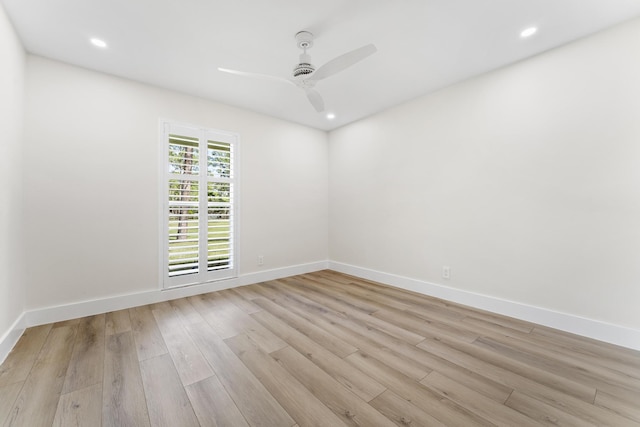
x,y
187,312
360,384
427,307
223,318
255,402
496,320
341,305
506,368
87,359
580,405
393,297
589,413
309,306
418,311
429,304
492,326
584,345
553,351
313,313
376,300
117,322
79,408
410,356
543,413
245,324
426,328
402,412
227,320
617,384
299,402
318,335
350,408
147,336
300,283
242,303
441,408
248,292
38,399
473,379
69,322
8,395
402,301
624,406
189,362
123,399
631,369
488,409
167,400
213,405
20,360
370,329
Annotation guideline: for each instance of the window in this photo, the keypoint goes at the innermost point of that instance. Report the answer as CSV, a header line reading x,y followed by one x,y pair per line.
x,y
198,204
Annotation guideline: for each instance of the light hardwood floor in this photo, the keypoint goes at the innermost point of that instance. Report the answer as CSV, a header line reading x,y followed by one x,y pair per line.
x,y
320,349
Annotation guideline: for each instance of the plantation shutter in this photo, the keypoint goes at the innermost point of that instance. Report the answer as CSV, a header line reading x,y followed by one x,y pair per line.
x,y
219,205
199,208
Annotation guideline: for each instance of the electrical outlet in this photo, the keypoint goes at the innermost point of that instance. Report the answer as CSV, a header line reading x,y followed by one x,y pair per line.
x,y
446,272
260,259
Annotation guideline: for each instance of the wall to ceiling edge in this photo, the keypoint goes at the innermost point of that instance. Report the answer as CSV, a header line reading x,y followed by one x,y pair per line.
x,y
524,181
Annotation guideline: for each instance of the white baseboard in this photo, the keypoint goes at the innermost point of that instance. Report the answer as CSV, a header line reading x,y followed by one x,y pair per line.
x,y
614,334
11,337
74,310
601,331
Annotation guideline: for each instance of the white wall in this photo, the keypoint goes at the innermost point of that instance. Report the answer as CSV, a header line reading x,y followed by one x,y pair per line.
x,y
12,290
525,181
91,194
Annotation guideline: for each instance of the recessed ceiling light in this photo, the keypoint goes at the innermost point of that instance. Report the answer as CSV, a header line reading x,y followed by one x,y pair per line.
x,y
528,32
331,116
98,42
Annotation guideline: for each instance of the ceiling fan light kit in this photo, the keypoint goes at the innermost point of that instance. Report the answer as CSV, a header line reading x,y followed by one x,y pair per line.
x,y
305,74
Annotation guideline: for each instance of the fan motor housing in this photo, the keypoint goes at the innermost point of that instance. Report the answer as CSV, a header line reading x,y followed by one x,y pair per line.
x,y
303,69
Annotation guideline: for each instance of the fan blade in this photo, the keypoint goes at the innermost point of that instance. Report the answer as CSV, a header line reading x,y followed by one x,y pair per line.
x,y
343,61
315,99
256,75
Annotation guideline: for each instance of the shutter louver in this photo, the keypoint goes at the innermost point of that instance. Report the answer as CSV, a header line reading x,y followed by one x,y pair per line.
x,y
219,226
184,206
183,227
219,206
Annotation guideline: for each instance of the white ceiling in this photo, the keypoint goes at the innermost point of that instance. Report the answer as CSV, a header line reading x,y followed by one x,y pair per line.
x,y
423,45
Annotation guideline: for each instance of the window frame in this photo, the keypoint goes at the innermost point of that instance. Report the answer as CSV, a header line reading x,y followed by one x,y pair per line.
x,y
204,135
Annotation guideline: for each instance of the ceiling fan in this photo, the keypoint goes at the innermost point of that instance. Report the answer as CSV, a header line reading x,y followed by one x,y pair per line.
x,y
305,74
